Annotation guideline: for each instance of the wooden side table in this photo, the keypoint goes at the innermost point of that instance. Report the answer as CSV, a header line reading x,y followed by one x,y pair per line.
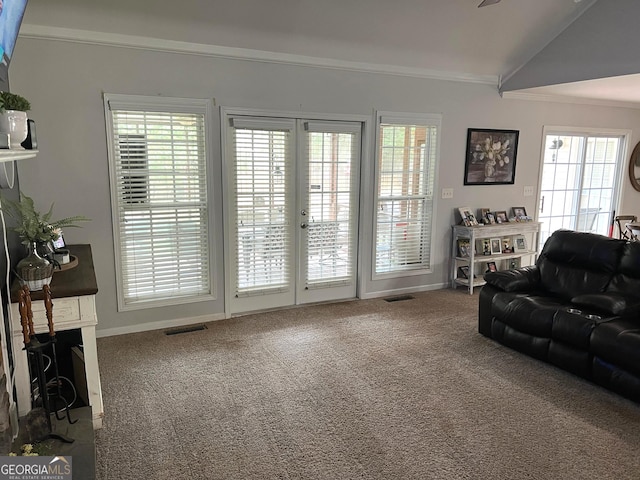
x,y
73,293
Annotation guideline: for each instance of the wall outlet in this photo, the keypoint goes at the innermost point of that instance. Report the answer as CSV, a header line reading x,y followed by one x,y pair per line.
x,y
528,191
447,193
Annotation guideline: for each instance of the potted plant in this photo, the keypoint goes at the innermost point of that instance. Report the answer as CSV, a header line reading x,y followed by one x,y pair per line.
x,y
38,232
13,118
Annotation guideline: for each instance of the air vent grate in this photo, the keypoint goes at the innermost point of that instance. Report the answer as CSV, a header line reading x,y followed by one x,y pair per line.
x,y
399,298
191,328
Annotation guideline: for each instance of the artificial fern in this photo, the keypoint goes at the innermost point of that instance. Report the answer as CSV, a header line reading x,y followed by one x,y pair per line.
x,y
34,227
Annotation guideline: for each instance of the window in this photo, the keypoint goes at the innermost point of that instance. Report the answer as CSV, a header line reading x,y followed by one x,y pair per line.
x,y
580,181
406,164
157,160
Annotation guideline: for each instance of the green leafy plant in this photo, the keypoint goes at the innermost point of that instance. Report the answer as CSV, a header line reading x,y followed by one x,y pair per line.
x,y
12,101
32,225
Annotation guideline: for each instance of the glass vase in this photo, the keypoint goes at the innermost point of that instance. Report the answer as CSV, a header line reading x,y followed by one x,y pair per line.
x,y
33,270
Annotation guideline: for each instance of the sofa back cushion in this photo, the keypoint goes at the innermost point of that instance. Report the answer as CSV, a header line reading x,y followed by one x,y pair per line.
x,y
575,263
626,280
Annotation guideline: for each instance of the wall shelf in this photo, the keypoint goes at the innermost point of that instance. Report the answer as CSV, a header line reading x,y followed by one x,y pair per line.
x,y
8,155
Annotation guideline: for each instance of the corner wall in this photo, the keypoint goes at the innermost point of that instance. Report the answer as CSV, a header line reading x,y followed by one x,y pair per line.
x,y
64,82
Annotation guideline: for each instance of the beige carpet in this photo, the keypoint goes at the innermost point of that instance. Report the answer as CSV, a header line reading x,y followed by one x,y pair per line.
x,y
358,390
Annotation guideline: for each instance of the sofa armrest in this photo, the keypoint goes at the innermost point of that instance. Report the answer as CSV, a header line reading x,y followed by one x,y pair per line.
x,y
517,280
611,303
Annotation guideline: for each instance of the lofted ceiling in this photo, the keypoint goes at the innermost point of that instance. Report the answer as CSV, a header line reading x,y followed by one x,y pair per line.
x,y
450,36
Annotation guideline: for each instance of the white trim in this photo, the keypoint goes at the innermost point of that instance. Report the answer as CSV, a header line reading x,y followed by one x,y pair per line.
x,y
73,35
149,326
543,97
402,291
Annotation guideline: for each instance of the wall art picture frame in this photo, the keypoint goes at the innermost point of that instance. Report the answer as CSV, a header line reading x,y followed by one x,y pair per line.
x,y
519,212
491,157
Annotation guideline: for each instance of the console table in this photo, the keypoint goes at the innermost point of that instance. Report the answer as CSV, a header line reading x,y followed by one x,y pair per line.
x,y
73,293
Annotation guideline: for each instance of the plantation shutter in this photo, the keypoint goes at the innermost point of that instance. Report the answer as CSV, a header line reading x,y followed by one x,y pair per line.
x,y
159,200
407,158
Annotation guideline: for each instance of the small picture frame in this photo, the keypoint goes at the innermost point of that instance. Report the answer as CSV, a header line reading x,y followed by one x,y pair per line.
x,y
464,247
491,267
463,271
483,215
506,245
501,216
491,218
519,212
520,243
485,246
496,246
468,218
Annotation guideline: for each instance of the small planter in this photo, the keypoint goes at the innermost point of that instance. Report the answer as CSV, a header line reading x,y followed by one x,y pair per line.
x,y
14,122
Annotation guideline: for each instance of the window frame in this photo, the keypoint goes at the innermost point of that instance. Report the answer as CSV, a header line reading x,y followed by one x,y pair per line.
x,y
161,105
405,119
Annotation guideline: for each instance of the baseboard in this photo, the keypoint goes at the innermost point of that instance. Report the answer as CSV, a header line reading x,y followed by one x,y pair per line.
x,y
403,291
146,327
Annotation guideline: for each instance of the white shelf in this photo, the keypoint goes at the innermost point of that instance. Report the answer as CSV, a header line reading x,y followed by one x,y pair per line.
x,y
9,155
500,256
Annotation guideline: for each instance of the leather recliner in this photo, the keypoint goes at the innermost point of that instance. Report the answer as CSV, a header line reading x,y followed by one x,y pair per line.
x,y
578,308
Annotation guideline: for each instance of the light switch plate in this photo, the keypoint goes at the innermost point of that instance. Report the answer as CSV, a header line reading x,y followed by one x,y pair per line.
x,y
447,193
528,191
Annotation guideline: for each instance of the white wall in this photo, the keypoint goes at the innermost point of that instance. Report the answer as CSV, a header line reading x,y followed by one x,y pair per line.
x,y
64,82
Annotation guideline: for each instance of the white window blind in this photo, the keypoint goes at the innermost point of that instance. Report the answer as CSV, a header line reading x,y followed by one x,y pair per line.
x,y
406,165
262,167
159,200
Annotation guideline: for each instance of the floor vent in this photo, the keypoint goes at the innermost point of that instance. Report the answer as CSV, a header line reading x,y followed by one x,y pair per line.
x,y
399,298
191,328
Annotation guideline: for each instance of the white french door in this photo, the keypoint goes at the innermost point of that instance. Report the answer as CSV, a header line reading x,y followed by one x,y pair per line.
x,y
580,182
293,209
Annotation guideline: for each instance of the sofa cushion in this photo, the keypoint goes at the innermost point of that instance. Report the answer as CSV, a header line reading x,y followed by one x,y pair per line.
x,y
609,303
575,263
574,327
532,314
627,277
514,280
618,342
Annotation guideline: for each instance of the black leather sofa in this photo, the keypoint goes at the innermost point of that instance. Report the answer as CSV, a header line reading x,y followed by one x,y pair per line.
x,y
578,308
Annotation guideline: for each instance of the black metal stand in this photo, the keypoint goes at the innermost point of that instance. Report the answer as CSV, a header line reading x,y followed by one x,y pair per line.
x,y
35,352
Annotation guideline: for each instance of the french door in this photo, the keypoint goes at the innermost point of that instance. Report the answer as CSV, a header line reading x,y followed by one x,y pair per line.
x,y
580,182
293,210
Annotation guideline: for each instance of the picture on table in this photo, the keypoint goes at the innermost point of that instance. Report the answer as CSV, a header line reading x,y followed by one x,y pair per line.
x,y
501,216
519,212
463,271
468,218
496,246
520,243
463,247
491,267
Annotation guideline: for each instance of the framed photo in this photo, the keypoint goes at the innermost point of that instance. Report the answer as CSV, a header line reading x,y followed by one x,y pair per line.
x,y
468,218
506,245
464,246
490,157
519,212
463,271
520,243
491,266
486,246
482,215
496,246
501,216
491,218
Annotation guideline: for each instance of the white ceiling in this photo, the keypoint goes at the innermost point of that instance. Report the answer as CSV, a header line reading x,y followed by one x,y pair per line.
x,y
437,35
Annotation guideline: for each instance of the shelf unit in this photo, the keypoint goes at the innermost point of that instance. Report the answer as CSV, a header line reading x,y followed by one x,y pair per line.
x,y
8,155
8,167
531,230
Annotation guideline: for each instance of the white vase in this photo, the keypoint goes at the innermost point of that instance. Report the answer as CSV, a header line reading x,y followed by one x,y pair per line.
x,y
14,123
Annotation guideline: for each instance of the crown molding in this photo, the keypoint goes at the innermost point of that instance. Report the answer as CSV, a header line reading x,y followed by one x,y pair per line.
x,y
72,35
541,97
